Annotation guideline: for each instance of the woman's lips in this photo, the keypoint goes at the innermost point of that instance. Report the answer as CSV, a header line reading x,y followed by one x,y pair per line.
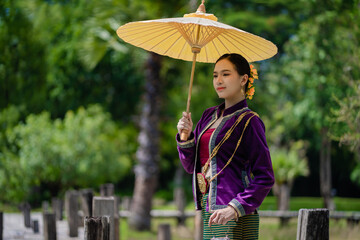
x,y
220,88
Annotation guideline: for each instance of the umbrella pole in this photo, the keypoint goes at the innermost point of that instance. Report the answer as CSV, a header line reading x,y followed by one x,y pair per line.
x,y
191,83
184,135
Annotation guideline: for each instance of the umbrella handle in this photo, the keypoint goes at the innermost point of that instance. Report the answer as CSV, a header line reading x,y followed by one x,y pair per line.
x,y
185,135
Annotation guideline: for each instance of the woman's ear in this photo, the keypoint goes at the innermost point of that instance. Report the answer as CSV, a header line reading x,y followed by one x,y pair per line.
x,y
244,80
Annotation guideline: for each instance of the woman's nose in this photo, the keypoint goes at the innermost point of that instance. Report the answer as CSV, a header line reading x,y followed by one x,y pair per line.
x,y
219,80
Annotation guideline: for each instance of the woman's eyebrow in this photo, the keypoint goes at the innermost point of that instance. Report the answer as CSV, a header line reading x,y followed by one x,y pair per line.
x,y
224,70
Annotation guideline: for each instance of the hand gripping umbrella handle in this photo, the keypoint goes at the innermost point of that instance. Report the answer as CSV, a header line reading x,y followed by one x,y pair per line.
x,y
185,135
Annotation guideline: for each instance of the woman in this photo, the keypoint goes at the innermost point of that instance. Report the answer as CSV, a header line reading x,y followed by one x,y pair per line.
x,y
228,155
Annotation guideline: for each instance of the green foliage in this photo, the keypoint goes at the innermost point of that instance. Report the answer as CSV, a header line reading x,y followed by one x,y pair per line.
x,y
10,174
85,149
22,64
345,114
60,55
355,174
296,203
347,118
289,164
85,62
314,71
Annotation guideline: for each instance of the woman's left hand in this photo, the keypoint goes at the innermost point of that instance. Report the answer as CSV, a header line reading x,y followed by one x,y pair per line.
x,y
222,216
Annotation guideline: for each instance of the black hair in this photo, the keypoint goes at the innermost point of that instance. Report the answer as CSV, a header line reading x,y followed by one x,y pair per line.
x,y
241,64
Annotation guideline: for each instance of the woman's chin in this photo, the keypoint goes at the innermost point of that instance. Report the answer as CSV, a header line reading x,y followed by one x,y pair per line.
x,y
220,95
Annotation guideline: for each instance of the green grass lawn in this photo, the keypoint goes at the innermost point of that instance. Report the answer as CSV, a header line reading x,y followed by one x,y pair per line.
x,y
296,203
269,230
269,227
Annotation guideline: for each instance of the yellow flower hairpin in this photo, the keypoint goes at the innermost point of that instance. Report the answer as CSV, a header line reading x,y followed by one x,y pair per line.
x,y
251,88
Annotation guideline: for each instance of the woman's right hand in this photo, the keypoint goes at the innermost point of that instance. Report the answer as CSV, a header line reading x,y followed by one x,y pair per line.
x,y
185,125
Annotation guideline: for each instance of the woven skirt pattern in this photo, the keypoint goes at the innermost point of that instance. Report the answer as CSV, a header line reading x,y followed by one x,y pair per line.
x,y
247,227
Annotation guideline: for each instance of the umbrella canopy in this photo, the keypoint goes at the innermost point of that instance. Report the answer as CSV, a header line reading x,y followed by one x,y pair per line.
x,y
195,37
176,38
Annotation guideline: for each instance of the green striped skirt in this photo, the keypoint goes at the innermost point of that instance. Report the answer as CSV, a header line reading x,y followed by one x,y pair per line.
x,y
247,227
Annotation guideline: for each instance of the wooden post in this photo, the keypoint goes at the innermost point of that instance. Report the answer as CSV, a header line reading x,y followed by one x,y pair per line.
x,y
49,226
117,218
180,204
313,224
45,206
164,232
107,190
86,198
97,228
105,206
26,209
35,226
353,220
179,194
1,225
198,226
126,203
57,206
72,208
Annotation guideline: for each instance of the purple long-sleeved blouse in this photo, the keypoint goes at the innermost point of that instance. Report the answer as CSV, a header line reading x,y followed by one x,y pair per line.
x,y
246,181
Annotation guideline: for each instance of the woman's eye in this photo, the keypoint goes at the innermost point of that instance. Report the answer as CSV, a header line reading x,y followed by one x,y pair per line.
x,y
215,76
226,74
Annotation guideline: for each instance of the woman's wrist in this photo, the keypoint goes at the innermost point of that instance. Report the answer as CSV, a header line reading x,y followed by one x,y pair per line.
x,y
236,215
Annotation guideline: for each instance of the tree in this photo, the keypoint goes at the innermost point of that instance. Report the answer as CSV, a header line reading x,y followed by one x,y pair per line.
x,y
148,154
345,116
22,65
288,165
63,154
347,125
311,77
85,62
148,157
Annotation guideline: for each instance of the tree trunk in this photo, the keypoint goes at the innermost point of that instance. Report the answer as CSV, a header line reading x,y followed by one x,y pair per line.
x,y
282,193
148,151
283,197
179,194
325,170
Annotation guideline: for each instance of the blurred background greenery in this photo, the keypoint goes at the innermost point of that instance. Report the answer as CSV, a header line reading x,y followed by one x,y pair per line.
x,y
72,94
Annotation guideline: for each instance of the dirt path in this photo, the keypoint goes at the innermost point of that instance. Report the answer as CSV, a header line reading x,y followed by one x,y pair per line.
x,y
14,228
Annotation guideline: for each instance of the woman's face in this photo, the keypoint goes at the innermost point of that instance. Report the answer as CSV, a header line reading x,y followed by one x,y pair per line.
x,y
227,82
